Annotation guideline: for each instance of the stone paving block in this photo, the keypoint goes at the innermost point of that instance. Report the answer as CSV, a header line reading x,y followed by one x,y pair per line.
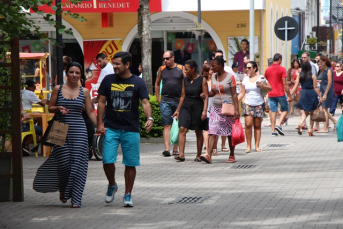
x,y
297,186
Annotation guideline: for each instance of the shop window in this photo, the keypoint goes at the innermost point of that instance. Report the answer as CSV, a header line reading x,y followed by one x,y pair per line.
x,y
185,46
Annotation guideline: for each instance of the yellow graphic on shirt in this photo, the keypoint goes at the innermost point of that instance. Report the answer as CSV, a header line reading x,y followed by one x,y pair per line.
x,y
120,87
122,99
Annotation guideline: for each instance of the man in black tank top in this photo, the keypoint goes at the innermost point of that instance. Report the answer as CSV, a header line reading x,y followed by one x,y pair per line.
x,y
171,75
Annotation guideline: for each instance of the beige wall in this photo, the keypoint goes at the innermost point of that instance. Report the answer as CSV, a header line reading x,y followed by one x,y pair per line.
x,y
279,8
223,22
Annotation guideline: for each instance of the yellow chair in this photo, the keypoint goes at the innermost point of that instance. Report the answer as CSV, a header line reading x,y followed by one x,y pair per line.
x,y
30,132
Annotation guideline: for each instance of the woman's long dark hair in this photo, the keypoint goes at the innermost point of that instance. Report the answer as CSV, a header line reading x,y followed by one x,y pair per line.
x,y
305,73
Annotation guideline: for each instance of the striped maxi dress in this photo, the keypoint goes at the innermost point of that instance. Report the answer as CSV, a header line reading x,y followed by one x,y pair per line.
x,y
66,168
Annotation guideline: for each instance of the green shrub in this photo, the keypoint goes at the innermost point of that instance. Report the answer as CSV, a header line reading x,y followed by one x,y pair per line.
x,y
157,130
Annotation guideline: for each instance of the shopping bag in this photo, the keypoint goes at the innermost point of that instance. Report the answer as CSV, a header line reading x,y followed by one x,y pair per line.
x,y
339,129
237,135
56,133
174,132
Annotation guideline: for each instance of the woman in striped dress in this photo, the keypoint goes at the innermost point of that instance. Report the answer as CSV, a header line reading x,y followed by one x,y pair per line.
x,y
71,160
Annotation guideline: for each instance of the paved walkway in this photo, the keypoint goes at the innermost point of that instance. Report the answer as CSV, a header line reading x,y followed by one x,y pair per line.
x,y
297,185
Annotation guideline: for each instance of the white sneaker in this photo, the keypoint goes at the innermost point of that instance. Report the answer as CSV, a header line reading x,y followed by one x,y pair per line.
x,y
127,199
111,190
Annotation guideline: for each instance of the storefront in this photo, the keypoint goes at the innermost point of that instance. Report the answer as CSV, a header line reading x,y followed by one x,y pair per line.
x,y
112,27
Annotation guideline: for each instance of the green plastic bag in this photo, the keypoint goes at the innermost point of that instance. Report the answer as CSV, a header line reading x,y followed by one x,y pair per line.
x,y
339,129
174,132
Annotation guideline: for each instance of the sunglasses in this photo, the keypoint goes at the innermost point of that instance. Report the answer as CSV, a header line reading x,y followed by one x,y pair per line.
x,y
249,68
167,58
337,66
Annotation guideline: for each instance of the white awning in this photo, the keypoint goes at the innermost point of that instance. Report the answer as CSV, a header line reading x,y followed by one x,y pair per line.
x,y
210,5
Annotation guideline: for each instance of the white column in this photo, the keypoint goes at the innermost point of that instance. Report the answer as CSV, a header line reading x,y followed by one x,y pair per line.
x,y
251,30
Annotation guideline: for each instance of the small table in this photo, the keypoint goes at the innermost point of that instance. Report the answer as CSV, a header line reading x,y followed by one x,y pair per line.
x,y
45,117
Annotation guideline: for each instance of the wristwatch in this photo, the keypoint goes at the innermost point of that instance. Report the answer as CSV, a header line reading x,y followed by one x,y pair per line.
x,y
150,118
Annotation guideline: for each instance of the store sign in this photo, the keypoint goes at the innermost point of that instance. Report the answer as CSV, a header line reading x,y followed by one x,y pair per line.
x,y
91,49
104,6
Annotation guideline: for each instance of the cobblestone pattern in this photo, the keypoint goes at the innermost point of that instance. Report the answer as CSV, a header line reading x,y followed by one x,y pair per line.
x,y
296,186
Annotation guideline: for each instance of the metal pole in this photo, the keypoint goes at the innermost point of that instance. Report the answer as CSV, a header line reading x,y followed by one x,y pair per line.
x,y
199,37
251,30
59,48
286,40
330,28
318,22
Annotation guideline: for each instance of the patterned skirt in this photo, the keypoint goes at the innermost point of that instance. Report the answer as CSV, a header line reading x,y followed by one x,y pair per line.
x,y
220,124
253,111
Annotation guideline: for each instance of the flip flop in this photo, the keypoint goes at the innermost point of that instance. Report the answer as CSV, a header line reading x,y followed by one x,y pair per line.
x,y
197,160
247,151
258,150
225,149
214,152
206,158
231,159
176,153
180,159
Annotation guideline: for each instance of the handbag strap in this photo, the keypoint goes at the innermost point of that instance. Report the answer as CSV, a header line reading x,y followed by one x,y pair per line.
x,y
220,94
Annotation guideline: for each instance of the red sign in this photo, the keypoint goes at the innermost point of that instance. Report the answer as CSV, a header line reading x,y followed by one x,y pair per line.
x,y
104,6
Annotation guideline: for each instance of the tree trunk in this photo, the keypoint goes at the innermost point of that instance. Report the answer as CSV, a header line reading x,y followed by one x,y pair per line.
x,y
144,32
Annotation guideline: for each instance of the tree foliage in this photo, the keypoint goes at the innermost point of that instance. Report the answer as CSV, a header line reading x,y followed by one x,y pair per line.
x,y
14,21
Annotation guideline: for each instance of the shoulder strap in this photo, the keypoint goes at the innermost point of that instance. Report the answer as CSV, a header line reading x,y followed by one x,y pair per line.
x,y
162,68
59,91
179,66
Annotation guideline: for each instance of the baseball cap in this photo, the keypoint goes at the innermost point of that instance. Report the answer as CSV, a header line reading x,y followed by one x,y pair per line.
x,y
235,65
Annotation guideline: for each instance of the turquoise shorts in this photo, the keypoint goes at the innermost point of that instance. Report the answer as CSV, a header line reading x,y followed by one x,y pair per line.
x,y
129,144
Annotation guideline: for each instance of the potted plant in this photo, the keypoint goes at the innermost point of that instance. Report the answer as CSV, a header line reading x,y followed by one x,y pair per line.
x,y
322,46
312,41
198,30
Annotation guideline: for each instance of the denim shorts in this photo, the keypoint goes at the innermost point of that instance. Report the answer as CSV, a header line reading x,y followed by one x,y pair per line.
x,y
167,109
129,144
274,101
26,127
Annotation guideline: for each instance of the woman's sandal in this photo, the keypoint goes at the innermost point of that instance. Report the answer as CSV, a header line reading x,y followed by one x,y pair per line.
x,y
231,159
225,149
206,158
214,152
75,206
300,130
176,153
61,199
179,159
247,150
197,160
310,133
258,150
334,127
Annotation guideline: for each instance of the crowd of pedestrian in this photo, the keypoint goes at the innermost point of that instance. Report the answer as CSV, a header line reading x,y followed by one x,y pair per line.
x,y
208,102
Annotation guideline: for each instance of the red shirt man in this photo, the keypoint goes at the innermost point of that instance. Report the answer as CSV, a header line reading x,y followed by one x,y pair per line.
x,y
276,76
